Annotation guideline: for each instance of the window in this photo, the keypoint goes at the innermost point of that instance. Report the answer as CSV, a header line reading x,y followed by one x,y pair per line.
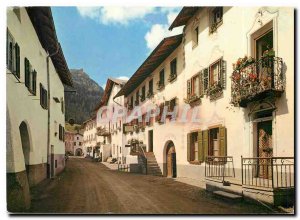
x,y
158,117
195,37
120,150
143,93
9,52
80,143
193,88
216,18
213,147
137,95
151,87
30,77
43,97
161,81
61,133
211,142
62,105
215,73
173,67
77,138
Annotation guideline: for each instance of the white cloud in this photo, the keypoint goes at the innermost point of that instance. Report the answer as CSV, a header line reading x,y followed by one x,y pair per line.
x,y
123,78
115,15
160,31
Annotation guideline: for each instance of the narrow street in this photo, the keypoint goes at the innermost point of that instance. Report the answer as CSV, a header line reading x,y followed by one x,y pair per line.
x,y
90,187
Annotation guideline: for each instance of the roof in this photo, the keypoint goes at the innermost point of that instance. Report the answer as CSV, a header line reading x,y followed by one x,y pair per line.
x,y
108,88
42,21
184,16
158,55
90,119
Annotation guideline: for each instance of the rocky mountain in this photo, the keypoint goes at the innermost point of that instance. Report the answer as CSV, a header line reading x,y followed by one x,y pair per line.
x,y
80,105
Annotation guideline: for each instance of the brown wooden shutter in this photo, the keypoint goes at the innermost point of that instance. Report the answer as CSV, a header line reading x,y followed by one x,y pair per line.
x,y
26,61
205,143
189,147
201,86
223,141
41,95
200,147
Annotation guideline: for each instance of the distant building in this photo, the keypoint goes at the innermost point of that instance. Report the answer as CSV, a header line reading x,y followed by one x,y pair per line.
x,y
110,132
36,72
90,147
74,143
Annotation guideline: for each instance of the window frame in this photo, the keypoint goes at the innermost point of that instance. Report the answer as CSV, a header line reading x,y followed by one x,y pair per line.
x,y
214,25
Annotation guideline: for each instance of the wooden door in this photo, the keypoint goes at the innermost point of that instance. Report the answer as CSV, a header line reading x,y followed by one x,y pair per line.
x,y
265,149
171,161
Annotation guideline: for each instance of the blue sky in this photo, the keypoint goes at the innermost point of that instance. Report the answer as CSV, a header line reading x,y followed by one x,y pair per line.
x,y
111,41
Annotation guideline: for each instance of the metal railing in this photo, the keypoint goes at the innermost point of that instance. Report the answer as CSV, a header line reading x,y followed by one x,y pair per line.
x,y
268,172
219,167
257,77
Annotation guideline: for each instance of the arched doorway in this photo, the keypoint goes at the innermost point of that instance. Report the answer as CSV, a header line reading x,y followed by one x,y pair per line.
x,y
25,140
171,168
78,152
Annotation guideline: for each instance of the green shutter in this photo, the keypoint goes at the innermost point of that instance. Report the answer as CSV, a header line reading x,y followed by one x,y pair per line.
x,y
17,54
189,147
205,143
26,72
223,141
200,147
34,82
188,88
205,80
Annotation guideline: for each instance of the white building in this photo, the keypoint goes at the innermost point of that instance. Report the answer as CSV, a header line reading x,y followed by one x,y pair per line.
x,y
109,130
90,138
243,108
35,73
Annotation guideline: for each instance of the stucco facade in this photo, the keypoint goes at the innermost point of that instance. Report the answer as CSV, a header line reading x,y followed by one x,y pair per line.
x,y
111,139
90,137
231,130
28,149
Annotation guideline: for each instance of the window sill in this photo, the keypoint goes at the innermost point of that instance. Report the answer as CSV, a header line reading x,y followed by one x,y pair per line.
x,y
172,78
8,71
213,27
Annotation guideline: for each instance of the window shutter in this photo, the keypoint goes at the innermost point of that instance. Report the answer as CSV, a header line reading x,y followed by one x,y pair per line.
x,y
205,143
34,82
189,147
223,73
205,80
201,86
223,141
200,147
17,53
41,94
26,72
45,98
188,88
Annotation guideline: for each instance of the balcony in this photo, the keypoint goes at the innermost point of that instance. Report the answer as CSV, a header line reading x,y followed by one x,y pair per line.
x,y
101,131
268,172
256,80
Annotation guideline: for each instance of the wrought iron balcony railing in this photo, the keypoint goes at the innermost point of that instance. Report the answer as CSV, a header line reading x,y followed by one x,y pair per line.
x,y
268,172
219,167
257,80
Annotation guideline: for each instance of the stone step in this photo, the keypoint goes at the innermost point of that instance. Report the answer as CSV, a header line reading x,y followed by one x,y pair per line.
x,y
227,195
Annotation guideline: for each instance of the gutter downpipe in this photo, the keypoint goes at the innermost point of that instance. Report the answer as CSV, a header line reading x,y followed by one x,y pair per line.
x,y
48,126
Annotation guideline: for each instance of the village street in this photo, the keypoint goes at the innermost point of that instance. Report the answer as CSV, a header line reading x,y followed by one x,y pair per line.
x,y
90,187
